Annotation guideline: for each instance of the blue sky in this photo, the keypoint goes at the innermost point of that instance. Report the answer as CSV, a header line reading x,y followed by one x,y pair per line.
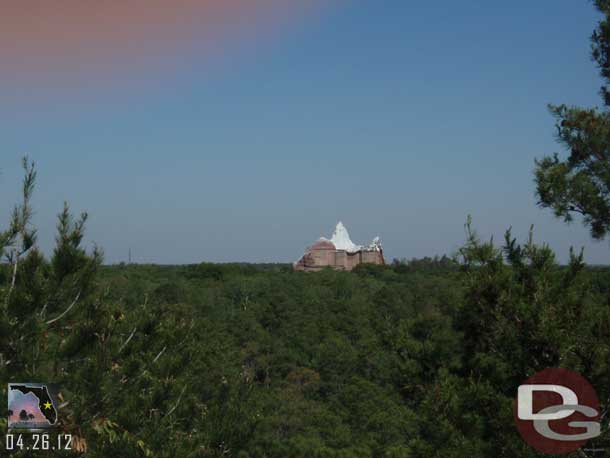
x,y
399,119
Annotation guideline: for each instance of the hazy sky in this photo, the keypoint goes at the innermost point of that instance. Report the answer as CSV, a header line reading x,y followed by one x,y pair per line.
x,y
245,134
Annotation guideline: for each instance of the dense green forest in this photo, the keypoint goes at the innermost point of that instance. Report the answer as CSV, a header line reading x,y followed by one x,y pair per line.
x,y
413,359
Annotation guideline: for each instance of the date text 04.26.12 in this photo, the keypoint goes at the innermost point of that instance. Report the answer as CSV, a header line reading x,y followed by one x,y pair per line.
x,y
38,442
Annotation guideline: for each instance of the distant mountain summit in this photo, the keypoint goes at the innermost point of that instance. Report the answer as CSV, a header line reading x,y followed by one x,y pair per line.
x,y
342,241
339,252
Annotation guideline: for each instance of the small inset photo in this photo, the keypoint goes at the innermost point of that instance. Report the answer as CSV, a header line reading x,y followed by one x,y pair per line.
x,y
32,406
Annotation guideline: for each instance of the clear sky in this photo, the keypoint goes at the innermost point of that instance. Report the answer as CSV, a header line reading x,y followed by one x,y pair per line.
x,y
247,136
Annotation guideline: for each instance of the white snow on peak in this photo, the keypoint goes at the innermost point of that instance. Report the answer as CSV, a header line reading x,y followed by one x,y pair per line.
x,y
375,245
342,241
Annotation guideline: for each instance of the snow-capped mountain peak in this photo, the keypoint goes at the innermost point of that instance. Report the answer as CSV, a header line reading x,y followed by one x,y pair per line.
x,y
342,241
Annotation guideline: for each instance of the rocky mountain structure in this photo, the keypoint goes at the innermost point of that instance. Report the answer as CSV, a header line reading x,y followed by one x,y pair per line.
x,y
339,252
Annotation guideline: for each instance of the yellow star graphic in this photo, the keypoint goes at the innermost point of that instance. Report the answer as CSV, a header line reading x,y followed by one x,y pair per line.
x,y
47,405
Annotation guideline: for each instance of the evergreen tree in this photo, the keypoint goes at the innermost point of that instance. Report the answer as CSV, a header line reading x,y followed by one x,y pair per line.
x,y
580,184
413,360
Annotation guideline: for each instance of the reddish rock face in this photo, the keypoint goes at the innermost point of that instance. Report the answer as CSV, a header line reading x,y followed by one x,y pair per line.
x,y
324,254
322,245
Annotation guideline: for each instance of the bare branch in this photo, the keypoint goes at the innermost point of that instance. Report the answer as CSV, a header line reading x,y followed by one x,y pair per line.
x,y
65,311
159,355
128,340
10,290
177,403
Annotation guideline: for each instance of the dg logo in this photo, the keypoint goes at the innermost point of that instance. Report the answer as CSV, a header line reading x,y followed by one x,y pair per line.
x,y
557,411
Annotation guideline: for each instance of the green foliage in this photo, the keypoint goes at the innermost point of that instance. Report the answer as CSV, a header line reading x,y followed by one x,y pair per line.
x,y
416,359
580,184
